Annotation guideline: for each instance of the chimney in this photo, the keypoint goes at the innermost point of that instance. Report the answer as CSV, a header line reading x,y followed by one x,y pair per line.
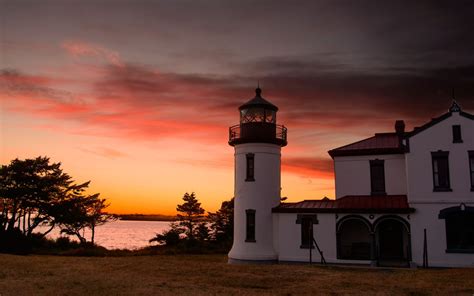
x,y
400,127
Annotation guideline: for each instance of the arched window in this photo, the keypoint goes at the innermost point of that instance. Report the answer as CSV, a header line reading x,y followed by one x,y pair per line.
x,y
459,229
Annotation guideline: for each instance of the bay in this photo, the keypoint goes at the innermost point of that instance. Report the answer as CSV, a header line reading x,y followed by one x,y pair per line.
x,y
122,234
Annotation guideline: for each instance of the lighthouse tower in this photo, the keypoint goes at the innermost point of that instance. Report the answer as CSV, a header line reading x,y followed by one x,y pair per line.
x,y
257,140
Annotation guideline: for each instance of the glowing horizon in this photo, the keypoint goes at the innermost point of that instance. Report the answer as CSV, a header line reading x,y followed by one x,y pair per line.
x,y
137,96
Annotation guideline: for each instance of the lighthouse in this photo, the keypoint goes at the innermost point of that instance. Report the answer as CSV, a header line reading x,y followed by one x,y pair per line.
x,y
257,141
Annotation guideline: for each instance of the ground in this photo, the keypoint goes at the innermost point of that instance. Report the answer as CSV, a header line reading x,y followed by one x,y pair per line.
x,y
211,275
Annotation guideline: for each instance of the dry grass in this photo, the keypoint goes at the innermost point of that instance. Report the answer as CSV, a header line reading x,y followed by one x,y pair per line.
x,y
211,275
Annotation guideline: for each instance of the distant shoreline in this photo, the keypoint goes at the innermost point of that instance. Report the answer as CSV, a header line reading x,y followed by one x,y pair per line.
x,y
143,217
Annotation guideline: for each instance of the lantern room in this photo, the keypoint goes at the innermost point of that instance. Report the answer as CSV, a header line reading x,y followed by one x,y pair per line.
x,y
258,123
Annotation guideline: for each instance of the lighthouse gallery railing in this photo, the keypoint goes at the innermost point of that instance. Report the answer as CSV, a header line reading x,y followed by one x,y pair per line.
x,y
235,132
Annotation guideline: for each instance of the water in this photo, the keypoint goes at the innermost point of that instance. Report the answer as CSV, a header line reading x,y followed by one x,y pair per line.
x,y
122,234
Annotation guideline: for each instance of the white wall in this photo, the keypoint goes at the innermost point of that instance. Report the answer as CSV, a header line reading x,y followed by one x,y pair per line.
x,y
289,237
426,216
427,202
289,234
352,174
261,195
419,163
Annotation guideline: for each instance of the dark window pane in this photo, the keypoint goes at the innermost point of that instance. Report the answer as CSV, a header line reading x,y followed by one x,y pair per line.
x,y
306,227
460,231
250,229
250,167
377,176
441,171
457,134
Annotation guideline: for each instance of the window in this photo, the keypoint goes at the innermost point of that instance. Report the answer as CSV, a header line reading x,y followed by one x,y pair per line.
x,y
250,167
471,168
306,221
457,134
459,229
306,232
250,229
440,171
377,177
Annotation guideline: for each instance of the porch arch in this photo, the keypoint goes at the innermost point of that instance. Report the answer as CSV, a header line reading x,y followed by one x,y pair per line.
x,y
354,238
392,239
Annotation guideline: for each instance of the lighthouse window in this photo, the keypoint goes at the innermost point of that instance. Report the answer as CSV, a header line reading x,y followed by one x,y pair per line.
x,y
270,116
250,167
250,225
252,115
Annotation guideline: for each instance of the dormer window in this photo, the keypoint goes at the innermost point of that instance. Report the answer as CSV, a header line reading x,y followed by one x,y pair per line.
x,y
457,138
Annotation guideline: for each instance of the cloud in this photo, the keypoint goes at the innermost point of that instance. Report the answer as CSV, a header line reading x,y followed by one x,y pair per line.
x,y
84,49
106,152
316,167
322,103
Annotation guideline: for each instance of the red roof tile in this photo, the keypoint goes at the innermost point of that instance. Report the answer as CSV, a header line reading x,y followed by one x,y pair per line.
x,y
349,204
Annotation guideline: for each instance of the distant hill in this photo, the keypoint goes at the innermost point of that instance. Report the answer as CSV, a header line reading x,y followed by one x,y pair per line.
x,y
143,217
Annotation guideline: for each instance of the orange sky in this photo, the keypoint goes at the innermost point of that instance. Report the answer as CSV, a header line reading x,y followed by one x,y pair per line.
x,y
138,96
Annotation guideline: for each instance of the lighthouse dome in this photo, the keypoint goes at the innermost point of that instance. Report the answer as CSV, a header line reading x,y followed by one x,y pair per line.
x,y
258,123
258,102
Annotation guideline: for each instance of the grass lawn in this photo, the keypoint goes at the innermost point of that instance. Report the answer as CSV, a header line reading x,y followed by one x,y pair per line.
x,y
211,275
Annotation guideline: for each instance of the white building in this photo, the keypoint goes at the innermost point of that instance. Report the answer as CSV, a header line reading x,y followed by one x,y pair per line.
x,y
402,198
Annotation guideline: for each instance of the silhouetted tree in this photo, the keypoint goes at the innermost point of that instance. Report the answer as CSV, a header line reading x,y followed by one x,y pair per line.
x,y
189,214
79,212
34,192
170,237
222,222
202,231
29,189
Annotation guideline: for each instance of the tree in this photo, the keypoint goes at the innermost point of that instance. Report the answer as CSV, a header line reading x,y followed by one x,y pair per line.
x,y
189,214
35,192
79,212
29,189
170,237
222,222
96,215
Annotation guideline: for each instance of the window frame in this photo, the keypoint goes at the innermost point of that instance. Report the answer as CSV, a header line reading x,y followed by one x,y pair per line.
x,y
250,229
250,167
435,157
373,164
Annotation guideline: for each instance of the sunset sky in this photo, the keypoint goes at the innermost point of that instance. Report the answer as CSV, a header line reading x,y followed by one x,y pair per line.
x,y
137,96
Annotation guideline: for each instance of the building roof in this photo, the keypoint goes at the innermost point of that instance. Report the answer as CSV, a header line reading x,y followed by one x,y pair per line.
x,y
349,204
392,143
454,108
382,143
258,101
